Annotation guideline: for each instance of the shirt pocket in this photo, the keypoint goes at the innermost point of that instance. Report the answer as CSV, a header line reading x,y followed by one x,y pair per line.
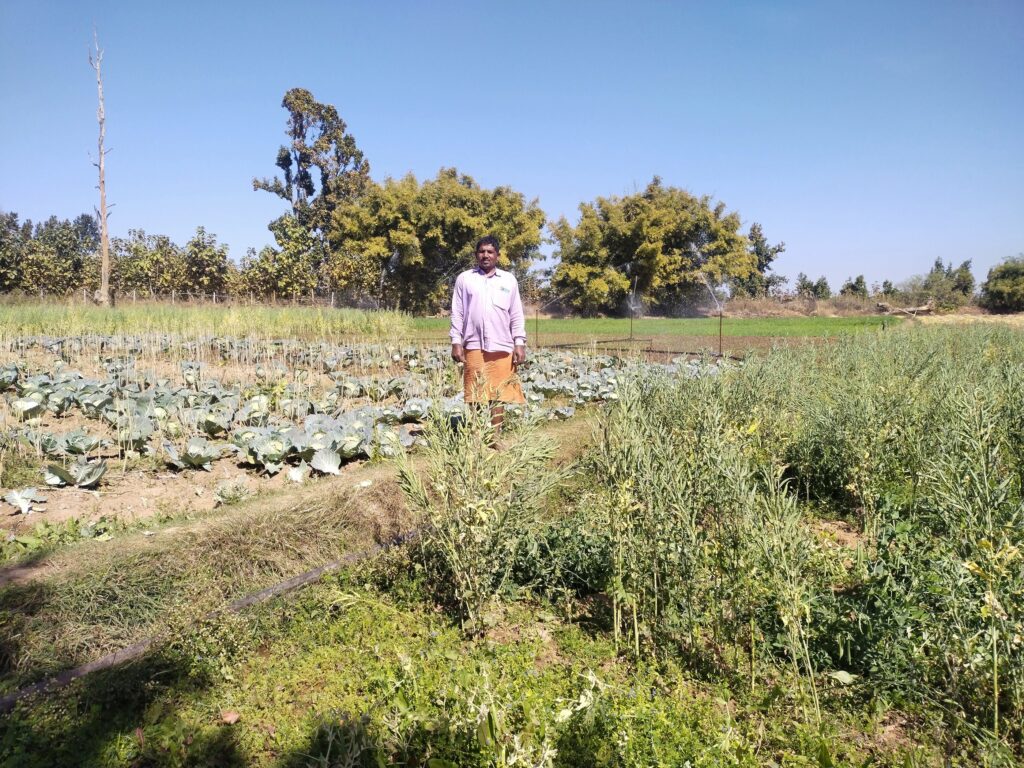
x,y
502,300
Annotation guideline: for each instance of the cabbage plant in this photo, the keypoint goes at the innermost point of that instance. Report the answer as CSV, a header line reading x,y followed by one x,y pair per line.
x,y
25,500
29,407
9,376
198,453
82,473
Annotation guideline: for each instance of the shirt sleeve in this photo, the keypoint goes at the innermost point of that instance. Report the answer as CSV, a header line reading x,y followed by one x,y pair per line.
x,y
457,312
517,318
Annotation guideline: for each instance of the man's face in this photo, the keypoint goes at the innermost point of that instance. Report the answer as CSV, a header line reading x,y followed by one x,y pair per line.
x,y
487,257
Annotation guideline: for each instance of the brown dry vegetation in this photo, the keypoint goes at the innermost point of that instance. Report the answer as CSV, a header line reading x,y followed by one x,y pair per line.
x,y
837,306
1013,321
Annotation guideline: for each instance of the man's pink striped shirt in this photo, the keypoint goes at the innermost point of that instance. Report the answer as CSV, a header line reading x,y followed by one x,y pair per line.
x,y
487,312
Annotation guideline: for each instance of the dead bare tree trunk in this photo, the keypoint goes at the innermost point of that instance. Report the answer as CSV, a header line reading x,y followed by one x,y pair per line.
x,y
104,298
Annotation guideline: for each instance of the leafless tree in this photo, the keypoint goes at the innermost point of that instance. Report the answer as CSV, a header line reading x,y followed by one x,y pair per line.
x,y
96,60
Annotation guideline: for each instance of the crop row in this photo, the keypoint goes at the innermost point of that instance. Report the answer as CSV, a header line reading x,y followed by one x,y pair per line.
x,y
311,406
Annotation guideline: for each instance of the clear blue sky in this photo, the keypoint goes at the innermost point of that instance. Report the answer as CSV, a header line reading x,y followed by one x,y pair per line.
x,y
872,137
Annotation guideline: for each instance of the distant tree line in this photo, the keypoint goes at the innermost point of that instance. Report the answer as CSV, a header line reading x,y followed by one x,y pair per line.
x,y
399,243
945,286
62,256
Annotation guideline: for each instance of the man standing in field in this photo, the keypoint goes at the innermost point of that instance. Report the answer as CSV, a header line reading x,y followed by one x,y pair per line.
x,y
489,332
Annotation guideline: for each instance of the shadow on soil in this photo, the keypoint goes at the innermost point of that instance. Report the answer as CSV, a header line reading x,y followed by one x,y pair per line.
x,y
100,720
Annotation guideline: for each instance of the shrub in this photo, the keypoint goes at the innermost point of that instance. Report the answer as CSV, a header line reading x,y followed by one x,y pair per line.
x,y
479,505
1003,291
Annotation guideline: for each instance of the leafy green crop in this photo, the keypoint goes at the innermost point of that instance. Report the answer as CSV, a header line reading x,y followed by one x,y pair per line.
x,y
82,473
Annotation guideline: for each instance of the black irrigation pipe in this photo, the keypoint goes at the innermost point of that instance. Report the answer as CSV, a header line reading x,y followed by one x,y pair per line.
x,y
119,657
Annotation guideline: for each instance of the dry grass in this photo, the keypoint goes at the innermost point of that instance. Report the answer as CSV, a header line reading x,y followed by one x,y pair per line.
x,y
101,596
144,318
1013,321
837,306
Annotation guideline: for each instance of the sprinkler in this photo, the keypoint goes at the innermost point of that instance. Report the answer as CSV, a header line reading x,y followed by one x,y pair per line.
x,y
718,305
633,306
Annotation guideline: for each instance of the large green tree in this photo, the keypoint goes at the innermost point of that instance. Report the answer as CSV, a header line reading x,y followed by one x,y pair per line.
x,y
148,264
811,289
290,269
60,256
945,285
14,238
404,242
760,282
950,286
1003,290
205,264
855,286
321,168
664,242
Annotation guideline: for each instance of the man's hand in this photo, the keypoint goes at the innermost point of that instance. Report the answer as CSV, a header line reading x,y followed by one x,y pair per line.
x,y
458,354
519,355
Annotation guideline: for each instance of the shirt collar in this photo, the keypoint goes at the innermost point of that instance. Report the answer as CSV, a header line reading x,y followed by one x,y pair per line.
x,y
497,272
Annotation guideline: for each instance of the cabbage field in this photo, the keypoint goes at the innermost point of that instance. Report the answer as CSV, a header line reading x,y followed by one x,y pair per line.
x,y
78,410
810,557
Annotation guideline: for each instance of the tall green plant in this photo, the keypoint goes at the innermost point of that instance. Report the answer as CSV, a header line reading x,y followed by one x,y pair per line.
x,y
952,571
478,505
788,553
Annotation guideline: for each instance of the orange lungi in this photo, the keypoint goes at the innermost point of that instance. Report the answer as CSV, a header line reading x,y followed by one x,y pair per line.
x,y
489,376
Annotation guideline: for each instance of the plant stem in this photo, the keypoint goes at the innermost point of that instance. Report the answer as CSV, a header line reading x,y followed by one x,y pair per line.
x,y
753,641
995,684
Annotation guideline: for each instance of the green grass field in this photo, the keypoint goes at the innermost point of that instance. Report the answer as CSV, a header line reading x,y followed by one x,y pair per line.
x,y
787,327
667,335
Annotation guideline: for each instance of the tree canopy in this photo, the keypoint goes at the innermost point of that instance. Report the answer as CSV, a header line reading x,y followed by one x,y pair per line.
x,y
665,242
759,283
322,168
151,264
53,255
403,242
288,270
812,289
321,164
14,237
400,243
855,286
206,263
945,285
1003,290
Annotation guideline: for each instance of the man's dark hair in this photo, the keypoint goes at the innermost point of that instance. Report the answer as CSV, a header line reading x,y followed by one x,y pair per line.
x,y
488,240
